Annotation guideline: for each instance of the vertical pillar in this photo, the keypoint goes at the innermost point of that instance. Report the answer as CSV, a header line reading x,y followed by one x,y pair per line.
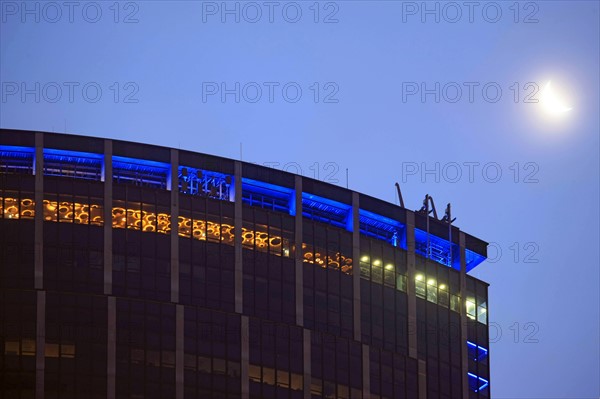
x,y
108,204
245,357
40,344
111,347
463,316
411,289
179,354
422,367
298,255
174,183
307,350
238,222
38,272
356,266
366,371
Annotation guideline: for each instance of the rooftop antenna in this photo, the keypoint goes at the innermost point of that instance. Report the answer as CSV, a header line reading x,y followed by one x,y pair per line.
x,y
399,195
241,151
346,177
426,210
448,219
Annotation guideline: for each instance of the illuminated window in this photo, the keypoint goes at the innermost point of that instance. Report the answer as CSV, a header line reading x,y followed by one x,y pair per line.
x,y
401,282
27,208
65,211
254,373
163,222
96,214
283,379
184,226
10,208
50,210
365,267
443,296
455,303
119,213
482,313
268,376
431,291
420,287
51,350
12,348
67,351
26,348
389,274
316,386
297,382
470,305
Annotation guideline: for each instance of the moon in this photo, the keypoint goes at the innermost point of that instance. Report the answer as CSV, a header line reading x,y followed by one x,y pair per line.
x,y
552,103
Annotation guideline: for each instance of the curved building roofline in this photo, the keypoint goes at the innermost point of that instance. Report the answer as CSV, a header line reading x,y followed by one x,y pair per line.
x,y
372,208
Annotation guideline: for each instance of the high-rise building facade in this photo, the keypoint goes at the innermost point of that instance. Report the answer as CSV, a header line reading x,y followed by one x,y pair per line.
x,y
136,271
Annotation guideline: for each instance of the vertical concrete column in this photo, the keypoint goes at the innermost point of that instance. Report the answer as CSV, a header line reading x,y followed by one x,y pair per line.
x,y
366,371
107,175
356,266
174,183
298,255
411,289
422,367
238,222
307,349
40,344
179,354
245,357
463,316
111,347
38,243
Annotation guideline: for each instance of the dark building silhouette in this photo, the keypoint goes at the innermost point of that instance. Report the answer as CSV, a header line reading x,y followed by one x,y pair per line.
x,y
135,271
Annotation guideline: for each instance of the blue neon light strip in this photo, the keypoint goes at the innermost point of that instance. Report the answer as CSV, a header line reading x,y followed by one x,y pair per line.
x,y
439,249
476,352
206,183
268,196
14,159
140,172
326,210
16,149
383,228
472,259
477,383
140,164
72,154
73,164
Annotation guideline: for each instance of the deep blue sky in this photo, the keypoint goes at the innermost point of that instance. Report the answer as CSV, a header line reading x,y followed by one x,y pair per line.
x,y
369,55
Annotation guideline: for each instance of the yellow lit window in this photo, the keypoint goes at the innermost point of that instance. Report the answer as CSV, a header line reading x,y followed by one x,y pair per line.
x,y
470,303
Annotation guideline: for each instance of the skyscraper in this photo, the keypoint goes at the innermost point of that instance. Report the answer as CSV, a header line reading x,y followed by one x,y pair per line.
x,y
136,271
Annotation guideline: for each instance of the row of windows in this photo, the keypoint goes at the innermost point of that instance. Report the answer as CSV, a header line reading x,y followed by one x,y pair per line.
x,y
320,388
80,210
280,378
428,288
147,218
26,347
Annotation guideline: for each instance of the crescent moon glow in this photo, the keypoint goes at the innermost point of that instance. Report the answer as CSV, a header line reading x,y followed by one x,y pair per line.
x,y
551,102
